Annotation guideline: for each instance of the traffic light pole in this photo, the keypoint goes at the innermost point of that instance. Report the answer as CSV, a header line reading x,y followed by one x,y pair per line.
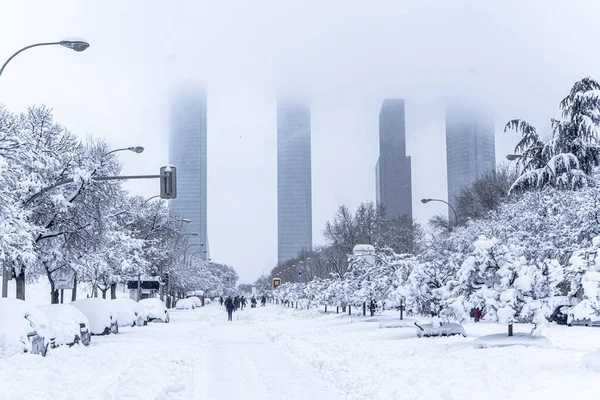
x,y
164,175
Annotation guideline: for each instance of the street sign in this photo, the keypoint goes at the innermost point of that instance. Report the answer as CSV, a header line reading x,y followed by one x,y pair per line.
x,y
64,278
276,282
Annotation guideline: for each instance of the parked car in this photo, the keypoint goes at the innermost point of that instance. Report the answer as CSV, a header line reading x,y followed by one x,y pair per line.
x,y
100,313
130,312
560,315
584,314
23,328
186,304
155,310
67,325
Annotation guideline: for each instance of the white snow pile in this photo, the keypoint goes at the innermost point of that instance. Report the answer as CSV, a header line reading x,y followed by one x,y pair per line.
x,y
591,361
185,304
98,313
63,322
440,329
18,320
519,339
125,311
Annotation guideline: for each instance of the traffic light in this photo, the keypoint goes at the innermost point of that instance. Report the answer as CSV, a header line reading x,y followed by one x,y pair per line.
x,y
168,182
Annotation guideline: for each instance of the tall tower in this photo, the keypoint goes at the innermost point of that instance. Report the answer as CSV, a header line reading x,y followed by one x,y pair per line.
x,y
187,152
393,173
294,194
470,146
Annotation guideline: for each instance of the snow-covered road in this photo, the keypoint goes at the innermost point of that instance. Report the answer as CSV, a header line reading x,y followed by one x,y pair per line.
x,y
281,353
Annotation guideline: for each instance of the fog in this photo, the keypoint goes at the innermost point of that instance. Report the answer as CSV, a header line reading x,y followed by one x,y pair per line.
x,y
520,58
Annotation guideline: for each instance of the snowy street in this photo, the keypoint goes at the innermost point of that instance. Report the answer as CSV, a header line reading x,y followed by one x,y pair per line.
x,y
282,353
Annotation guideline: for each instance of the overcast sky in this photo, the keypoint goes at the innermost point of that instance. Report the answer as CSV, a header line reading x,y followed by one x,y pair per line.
x,y
521,56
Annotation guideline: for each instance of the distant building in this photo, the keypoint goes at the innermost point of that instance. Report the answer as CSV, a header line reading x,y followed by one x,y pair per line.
x,y
187,152
470,146
294,193
393,170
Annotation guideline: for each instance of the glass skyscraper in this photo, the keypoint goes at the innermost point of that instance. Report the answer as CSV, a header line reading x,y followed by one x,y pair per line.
x,y
187,152
393,170
294,194
470,146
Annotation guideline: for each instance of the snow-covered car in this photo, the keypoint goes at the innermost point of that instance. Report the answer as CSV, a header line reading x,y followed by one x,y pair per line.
x,y
155,310
560,315
584,314
100,313
67,325
130,312
185,304
197,301
23,328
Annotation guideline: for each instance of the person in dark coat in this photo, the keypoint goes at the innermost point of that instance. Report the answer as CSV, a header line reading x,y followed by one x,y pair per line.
x,y
263,301
229,308
236,303
244,302
221,300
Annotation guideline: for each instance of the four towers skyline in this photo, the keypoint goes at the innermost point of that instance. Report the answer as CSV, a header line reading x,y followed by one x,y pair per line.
x,y
470,153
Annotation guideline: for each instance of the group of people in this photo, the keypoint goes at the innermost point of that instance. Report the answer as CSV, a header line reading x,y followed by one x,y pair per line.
x,y
233,304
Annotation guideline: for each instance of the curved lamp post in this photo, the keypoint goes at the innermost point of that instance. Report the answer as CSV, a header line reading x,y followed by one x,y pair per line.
x,y
135,149
76,45
425,201
191,245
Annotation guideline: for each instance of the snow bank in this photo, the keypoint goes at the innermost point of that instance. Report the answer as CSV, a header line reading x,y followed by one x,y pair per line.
x,y
591,361
98,313
20,319
584,313
519,339
63,322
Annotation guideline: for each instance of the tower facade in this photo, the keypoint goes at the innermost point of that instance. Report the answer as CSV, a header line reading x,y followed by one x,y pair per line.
x,y
187,152
393,170
470,146
294,193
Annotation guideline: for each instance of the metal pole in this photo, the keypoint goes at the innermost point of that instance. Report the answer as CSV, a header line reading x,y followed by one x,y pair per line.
x,y
5,276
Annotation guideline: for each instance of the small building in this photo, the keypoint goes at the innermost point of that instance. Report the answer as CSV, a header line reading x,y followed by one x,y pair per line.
x,y
150,287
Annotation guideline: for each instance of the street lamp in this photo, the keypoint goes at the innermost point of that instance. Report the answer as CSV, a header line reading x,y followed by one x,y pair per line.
x,y
425,201
76,45
135,149
191,245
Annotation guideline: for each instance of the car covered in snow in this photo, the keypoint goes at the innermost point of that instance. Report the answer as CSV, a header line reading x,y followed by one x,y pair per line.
x,y
185,304
100,313
560,315
155,310
129,312
23,328
584,314
67,325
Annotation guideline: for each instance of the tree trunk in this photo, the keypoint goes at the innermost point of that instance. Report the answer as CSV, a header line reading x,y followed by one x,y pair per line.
x,y
337,310
20,282
74,292
104,293
349,310
54,299
325,309
364,308
113,291
510,329
62,296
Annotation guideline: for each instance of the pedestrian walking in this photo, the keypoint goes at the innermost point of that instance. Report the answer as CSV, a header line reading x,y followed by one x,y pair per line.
x,y
229,308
